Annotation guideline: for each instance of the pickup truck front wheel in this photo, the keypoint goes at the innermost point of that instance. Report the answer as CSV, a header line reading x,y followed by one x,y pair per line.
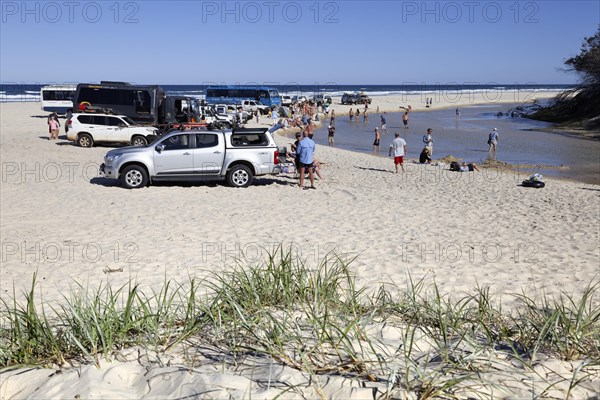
x,y
134,177
239,176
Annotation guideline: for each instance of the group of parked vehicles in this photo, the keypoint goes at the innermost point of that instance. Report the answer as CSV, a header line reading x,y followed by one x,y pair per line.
x,y
119,112
174,137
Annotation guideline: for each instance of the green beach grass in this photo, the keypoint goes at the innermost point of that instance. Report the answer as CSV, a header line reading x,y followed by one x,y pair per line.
x,y
315,319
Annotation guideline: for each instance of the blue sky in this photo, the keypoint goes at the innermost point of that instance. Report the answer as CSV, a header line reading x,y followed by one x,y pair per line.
x,y
286,42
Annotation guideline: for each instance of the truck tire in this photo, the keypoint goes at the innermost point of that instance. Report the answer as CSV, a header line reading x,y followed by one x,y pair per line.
x,y
139,141
239,176
85,140
134,177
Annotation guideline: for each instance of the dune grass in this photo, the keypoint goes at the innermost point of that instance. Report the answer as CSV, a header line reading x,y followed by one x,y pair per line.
x,y
314,319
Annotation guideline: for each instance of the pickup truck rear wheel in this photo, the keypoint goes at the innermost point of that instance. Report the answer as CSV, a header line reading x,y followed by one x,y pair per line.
x,y
134,177
239,176
85,140
139,141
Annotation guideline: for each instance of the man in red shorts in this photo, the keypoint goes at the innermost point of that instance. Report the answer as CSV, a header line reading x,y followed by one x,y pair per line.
x,y
398,146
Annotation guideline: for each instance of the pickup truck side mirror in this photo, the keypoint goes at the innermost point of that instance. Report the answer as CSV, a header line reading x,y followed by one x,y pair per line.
x,y
159,148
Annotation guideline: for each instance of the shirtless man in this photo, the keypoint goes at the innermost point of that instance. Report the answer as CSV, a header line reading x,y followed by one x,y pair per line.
x,y
376,141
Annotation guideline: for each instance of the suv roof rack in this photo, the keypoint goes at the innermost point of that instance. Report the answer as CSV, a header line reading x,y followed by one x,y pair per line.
x,y
96,110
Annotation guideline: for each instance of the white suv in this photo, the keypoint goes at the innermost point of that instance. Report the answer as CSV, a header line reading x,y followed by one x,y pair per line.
x,y
286,100
87,129
252,106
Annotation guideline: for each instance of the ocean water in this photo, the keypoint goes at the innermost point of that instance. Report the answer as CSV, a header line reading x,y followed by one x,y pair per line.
x,y
521,141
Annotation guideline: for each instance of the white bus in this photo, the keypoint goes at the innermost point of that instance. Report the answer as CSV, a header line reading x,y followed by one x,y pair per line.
x,y
57,98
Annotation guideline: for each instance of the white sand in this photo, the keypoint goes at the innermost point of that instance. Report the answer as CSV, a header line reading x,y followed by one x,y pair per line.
x,y
459,229
447,99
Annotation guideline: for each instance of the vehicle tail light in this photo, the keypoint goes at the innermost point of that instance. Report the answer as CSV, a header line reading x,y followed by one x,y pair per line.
x,y
276,158
69,122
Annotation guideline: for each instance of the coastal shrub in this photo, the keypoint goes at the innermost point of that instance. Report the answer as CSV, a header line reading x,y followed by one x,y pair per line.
x,y
89,324
310,319
26,335
567,327
317,319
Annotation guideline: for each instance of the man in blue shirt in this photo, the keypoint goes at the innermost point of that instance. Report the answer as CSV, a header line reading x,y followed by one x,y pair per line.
x,y
305,151
492,143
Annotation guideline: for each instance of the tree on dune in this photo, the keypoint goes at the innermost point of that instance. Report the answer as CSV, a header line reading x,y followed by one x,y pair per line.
x,y
579,107
587,63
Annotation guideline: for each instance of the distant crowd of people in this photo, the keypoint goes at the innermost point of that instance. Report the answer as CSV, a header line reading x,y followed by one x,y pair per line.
x,y
398,147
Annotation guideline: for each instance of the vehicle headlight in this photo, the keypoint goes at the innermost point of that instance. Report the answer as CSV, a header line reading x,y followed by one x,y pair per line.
x,y
108,160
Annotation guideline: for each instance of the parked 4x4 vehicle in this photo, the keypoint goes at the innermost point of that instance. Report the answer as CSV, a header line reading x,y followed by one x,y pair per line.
x,y
286,100
88,129
348,98
230,111
196,155
210,115
299,99
355,98
363,98
252,105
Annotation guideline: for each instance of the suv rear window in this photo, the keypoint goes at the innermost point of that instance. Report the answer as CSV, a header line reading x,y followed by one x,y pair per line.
x,y
249,139
84,119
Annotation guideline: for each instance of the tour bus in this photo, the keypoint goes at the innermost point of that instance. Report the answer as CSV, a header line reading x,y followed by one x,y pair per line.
x,y
57,98
140,103
268,96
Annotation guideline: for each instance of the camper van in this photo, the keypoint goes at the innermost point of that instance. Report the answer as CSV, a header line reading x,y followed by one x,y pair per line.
x,y
140,103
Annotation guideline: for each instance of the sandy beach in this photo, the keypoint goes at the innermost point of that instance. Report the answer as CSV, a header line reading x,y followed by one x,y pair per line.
x,y
59,219
448,99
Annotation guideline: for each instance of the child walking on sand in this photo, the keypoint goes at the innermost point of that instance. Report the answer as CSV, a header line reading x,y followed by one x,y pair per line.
x,y
54,125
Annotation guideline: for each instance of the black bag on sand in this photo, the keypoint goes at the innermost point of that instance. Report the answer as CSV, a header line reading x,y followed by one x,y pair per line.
x,y
535,181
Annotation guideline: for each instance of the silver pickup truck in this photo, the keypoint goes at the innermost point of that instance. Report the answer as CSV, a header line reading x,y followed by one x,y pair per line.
x,y
196,155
